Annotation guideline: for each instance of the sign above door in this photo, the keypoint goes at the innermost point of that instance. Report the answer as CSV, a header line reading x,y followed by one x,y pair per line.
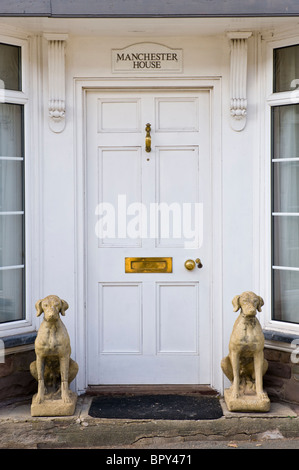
x,y
147,57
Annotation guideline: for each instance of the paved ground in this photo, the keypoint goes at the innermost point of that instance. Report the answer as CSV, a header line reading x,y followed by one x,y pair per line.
x,y
278,429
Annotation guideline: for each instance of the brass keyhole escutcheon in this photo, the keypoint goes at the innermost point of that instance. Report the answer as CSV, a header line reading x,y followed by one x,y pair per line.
x,y
190,264
148,139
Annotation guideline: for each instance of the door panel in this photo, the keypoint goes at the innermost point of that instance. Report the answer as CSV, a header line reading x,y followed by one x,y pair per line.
x,y
176,114
119,174
148,327
119,115
120,310
177,183
177,304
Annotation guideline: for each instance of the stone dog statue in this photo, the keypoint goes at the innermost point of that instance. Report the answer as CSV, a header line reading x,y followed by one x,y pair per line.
x,y
245,365
53,369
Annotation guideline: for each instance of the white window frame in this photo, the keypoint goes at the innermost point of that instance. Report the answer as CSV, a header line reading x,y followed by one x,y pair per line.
x,y
272,99
21,97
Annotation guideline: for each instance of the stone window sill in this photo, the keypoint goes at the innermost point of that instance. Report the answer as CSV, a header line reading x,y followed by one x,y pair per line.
x,y
19,343
280,337
280,341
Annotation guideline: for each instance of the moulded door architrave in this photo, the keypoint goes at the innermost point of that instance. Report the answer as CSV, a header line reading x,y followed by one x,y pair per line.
x,y
214,340
82,87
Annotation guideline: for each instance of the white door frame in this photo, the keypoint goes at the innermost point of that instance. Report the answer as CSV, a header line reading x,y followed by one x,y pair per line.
x,y
81,86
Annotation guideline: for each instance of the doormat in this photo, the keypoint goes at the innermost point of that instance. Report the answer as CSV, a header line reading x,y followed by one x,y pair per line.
x,y
180,407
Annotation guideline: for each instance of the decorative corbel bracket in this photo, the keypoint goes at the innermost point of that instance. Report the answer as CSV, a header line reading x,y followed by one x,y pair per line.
x,y
56,78
238,79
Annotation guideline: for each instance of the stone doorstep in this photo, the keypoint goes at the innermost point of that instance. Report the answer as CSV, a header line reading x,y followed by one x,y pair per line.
x,y
18,429
22,411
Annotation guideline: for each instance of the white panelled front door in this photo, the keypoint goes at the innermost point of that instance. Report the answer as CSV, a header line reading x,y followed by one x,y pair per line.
x,y
148,328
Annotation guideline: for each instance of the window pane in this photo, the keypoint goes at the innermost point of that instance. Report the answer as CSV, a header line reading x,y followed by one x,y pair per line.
x,y
286,68
286,241
286,131
11,185
11,240
11,295
10,67
12,216
11,130
286,296
286,182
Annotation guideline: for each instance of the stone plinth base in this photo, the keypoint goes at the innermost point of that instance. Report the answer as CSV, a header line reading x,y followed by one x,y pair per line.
x,y
246,403
54,406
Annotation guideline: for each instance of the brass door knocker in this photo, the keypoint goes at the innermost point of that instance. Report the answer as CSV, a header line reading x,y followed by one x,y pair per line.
x,y
148,139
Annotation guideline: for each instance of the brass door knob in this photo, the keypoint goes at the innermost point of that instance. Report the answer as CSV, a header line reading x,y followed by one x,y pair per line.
x,y
190,264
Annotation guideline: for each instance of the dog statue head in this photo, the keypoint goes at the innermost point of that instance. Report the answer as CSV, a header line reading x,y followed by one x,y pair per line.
x,y
248,302
52,306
